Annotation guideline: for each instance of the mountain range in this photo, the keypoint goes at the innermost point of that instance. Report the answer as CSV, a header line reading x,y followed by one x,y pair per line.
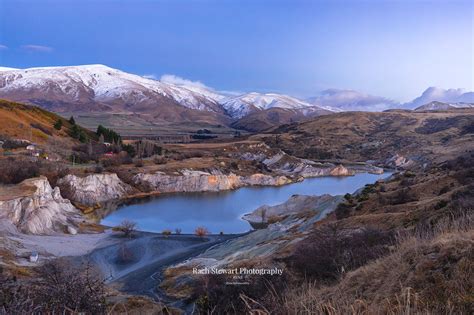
x,y
98,88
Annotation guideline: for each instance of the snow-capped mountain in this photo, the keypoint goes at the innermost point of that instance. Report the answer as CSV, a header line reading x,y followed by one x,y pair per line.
x,y
435,105
441,95
98,88
242,105
99,83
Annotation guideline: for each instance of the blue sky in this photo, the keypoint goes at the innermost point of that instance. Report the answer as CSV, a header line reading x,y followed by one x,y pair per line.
x,y
390,48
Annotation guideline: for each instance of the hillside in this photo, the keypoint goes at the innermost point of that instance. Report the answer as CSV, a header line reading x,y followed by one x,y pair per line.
x,y
26,122
435,105
403,136
259,121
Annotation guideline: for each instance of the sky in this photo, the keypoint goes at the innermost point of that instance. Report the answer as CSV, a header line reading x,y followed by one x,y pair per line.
x,y
395,49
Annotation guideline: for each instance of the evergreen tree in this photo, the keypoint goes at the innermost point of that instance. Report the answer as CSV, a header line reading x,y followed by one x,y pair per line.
x,y
72,121
58,124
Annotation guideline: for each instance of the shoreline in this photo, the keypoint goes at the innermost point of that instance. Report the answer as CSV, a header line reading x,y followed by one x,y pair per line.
x,y
111,205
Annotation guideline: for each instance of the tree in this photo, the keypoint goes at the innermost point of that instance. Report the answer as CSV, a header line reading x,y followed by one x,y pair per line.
x,y
75,132
127,227
201,231
58,124
130,149
82,137
72,121
109,134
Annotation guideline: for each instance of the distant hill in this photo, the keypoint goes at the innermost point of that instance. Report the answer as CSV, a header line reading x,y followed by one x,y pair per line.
x,y
363,136
262,120
435,105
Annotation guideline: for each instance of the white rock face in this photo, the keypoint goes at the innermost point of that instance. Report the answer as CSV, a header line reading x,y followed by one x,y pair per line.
x,y
38,209
196,181
399,161
94,188
296,204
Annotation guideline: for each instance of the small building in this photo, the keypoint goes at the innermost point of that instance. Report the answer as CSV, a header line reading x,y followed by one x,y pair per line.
x,y
31,147
34,256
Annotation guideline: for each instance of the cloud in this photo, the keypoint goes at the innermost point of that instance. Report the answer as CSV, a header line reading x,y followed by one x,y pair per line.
x,y
174,79
37,48
350,100
441,95
3,47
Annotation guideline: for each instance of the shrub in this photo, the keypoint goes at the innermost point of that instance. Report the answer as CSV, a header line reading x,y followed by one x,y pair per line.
x,y
329,251
213,296
58,288
177,231
403,196
130,149
441,204
128,228
343,210
14,173
201,231
159,160
166,233
58,124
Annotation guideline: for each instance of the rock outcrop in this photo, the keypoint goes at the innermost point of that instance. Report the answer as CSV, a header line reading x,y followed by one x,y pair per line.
x,y
296,204
399,161
272,241
93,189
197,181
34,207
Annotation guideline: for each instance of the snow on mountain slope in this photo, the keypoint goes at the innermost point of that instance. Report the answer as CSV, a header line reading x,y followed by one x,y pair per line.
x,y
435,105
98,88
441,95
240,106
7,69
103,84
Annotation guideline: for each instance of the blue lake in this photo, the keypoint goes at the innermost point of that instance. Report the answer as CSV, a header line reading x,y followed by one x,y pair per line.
x,y
222,211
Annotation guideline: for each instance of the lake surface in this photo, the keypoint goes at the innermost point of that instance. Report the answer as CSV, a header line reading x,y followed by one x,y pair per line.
x,y
222,211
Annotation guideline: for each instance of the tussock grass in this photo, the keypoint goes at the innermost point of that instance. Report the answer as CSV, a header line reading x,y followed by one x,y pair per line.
x,y
429,271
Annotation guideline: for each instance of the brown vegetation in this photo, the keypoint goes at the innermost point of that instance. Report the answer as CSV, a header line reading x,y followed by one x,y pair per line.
x,y
59,288
201,231
127,227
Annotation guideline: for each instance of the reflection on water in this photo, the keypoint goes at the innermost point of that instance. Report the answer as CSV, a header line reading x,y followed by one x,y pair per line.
x,y
222,211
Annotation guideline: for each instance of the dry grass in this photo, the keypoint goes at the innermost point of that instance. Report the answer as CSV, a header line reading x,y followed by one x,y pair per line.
x,y
429,272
